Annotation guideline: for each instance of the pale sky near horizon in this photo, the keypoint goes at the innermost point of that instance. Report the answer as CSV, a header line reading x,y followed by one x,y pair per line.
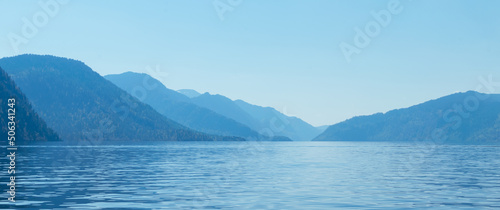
x,y
284,53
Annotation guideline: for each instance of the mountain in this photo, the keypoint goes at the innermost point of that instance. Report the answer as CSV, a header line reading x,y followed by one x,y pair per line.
x,y
144,87
467,118
80,104
226,107
178,107
28,125
322,128
215,114
189,93
262,119
279,123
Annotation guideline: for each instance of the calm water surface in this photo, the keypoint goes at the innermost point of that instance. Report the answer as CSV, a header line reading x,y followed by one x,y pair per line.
x,y
253,175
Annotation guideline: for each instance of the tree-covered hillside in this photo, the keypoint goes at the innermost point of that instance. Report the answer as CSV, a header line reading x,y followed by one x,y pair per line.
x,y
467,118
80,104
28,125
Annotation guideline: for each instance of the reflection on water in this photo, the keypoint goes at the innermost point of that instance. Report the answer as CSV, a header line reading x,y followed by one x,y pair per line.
x,y
253,175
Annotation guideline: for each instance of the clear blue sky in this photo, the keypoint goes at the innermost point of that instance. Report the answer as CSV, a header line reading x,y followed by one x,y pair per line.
x,y
280,53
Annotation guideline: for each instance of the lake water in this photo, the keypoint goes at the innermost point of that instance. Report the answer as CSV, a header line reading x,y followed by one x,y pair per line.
x,y
256,175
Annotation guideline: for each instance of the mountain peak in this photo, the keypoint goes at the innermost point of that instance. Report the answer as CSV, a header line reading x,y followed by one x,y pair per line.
x,y
31,60
189,93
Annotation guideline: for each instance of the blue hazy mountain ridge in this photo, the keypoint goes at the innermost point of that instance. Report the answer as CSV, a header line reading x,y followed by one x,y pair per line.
x,y
226,107
465,118
260,118
189,93
179,108
215,114
292,127
264,119
322,128
79,104
28,125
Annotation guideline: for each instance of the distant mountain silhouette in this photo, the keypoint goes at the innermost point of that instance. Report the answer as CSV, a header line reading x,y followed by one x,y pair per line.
x,y
262,119
189,93
467,118
322,128
279,123
216,113
178,107
28,125
226,107
80,104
